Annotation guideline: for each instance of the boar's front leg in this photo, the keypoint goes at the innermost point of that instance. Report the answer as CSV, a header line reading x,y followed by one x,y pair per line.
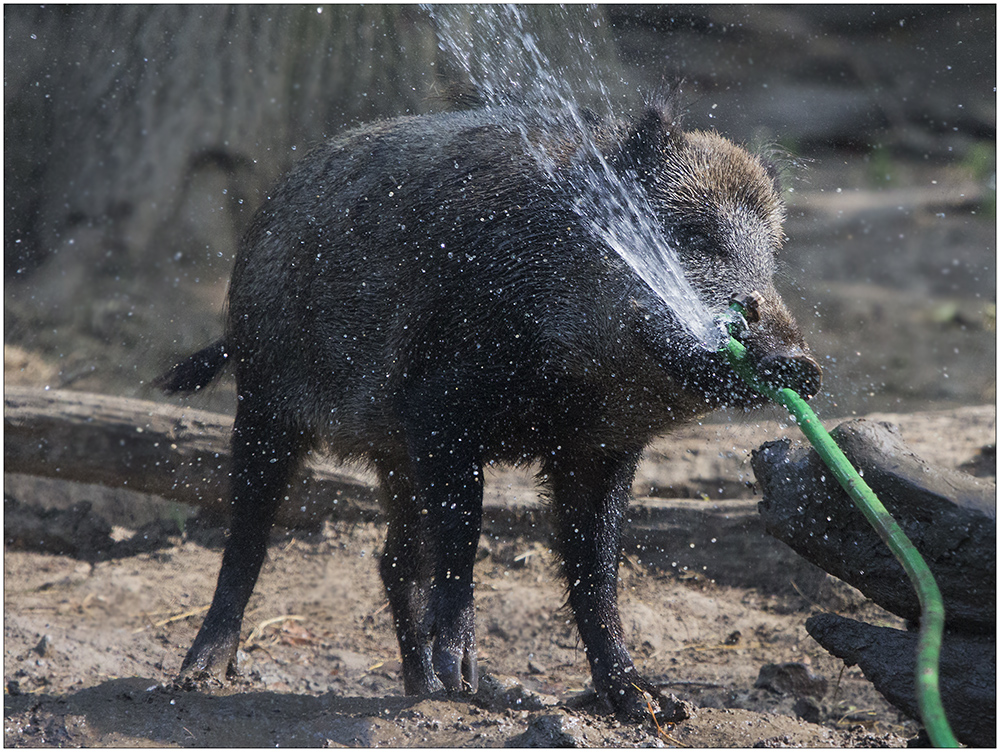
x,y
435,517
590,496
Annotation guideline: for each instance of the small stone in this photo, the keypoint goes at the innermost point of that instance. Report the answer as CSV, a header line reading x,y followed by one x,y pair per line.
x,y
554,730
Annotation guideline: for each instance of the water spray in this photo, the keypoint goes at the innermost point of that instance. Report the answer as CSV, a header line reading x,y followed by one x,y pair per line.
x,y
511,64
931,606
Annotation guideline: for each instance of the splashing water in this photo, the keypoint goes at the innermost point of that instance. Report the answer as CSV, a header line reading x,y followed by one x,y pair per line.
x,y
499,50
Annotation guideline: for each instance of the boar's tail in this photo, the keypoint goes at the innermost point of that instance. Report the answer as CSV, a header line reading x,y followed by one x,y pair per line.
x,y
194,372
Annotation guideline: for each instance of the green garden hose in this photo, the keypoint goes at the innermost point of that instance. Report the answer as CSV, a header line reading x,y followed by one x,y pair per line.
x,y
931,607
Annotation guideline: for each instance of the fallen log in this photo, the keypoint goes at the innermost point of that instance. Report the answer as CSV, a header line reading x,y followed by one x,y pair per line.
x,y
951,519
967,678
173,452
949,516
183,454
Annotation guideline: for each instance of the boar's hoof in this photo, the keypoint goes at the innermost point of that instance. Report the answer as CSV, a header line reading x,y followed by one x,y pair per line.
x,y
418,673
456,664
640,701
799,373
207,661
425,685
450,665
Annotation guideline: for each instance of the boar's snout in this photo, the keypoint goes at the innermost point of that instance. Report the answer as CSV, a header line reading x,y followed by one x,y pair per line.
x,y
780,368
798,372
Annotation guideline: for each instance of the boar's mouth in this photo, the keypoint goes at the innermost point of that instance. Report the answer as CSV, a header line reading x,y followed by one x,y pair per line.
x,y
800,373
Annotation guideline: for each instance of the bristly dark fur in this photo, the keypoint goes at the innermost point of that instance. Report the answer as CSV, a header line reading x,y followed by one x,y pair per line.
x,y
669,97
781,162
194,372
424,294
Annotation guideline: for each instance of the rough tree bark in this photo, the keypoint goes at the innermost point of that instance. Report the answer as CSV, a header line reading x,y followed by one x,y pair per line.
x,y
949,516
124,118
968,671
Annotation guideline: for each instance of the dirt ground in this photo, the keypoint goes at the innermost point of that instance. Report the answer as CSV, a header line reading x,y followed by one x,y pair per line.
x,y
93,640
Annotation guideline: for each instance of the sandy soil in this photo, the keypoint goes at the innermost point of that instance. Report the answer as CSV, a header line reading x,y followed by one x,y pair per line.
x,y
93,640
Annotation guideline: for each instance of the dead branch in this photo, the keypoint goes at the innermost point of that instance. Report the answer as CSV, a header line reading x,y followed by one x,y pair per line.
x,y
949,516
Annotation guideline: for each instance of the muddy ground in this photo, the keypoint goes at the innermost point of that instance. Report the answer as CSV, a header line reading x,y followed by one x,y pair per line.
x,y
92,640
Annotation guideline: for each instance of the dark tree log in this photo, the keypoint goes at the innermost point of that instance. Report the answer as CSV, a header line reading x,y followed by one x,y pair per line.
x,y
949,516
968,671
173,452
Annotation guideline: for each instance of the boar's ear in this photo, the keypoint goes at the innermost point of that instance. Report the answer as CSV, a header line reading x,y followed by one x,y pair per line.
x,y
647,137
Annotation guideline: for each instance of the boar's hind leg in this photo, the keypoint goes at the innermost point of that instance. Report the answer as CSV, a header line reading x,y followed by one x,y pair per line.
x,y
407,573
427,566
455,517
590,497
263,457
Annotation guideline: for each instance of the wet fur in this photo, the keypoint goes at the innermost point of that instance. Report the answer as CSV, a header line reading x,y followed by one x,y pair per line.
x,y
417,296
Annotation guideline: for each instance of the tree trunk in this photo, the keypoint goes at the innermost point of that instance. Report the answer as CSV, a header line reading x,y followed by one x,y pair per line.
x,y
147,131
